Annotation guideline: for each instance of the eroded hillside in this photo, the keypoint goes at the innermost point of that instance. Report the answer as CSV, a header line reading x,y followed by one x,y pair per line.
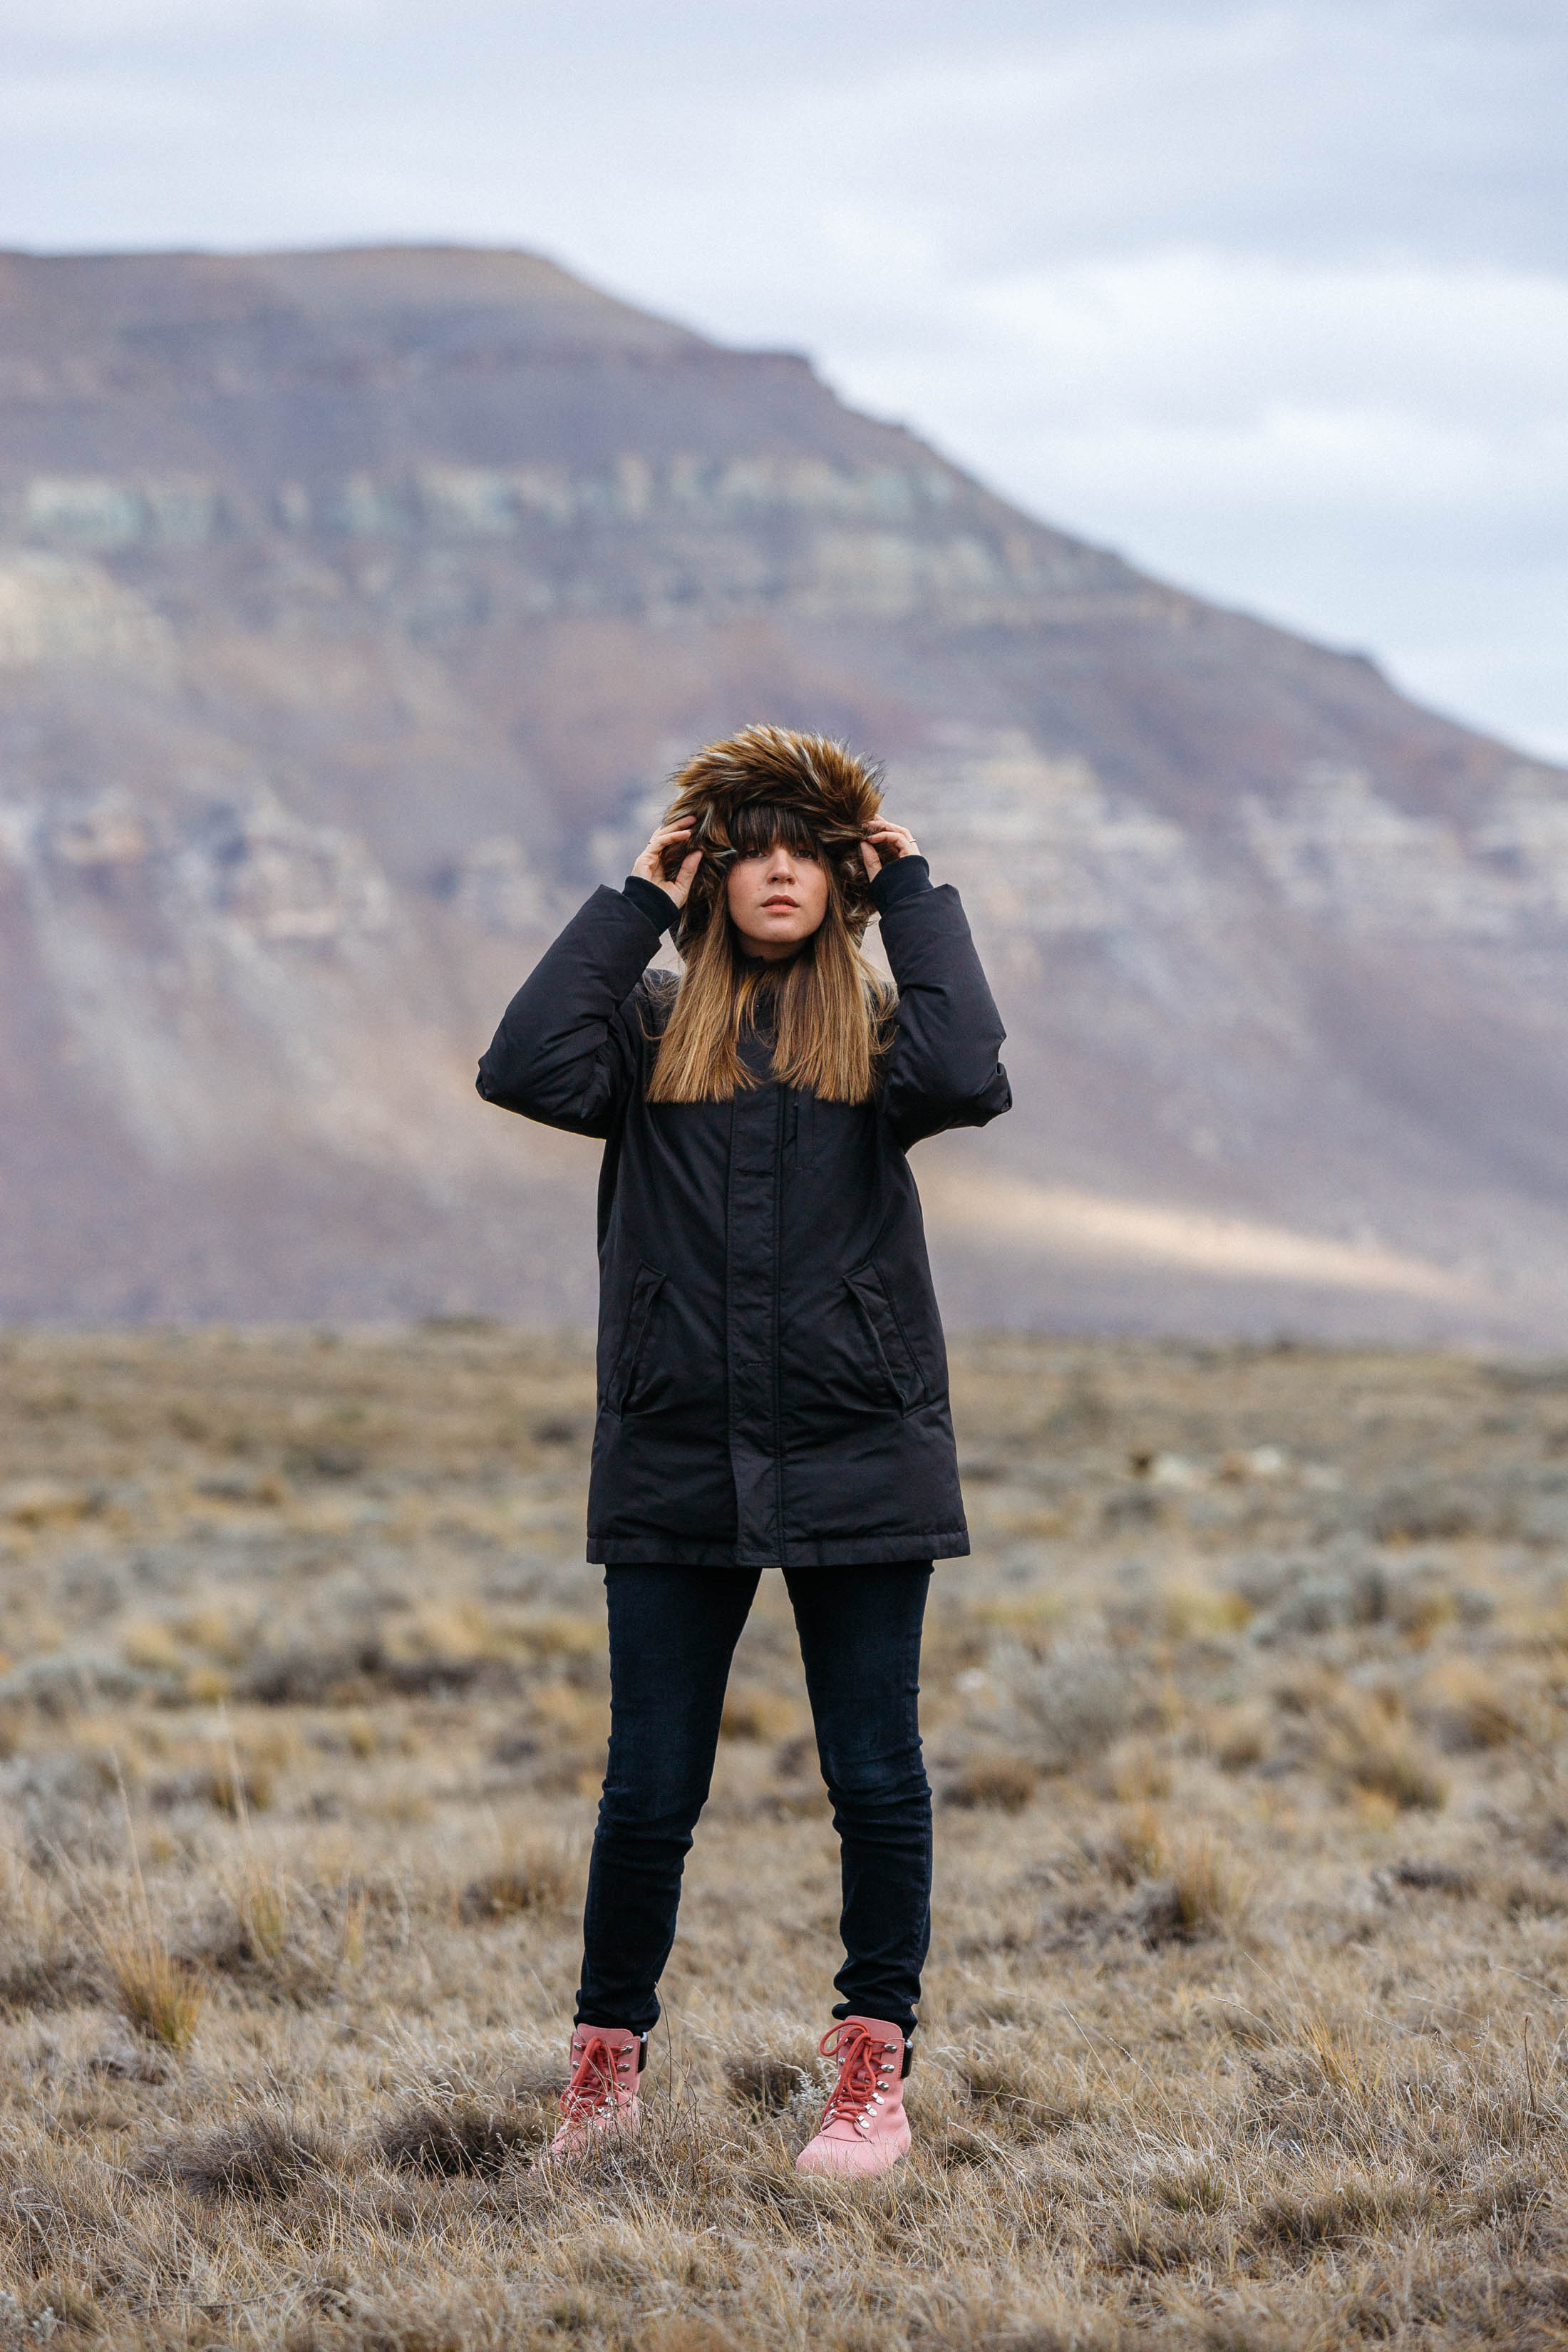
x,y
354,608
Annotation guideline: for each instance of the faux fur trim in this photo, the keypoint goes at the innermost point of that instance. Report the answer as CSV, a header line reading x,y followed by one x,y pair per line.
x,y
836,791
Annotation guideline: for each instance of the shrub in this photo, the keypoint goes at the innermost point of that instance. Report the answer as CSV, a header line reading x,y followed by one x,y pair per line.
x,y
1076,1703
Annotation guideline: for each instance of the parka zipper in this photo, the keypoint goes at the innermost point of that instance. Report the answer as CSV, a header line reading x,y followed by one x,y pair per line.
x,y
778,1312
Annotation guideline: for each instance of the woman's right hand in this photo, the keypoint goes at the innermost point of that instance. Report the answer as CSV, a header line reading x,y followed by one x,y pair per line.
x,y
650,865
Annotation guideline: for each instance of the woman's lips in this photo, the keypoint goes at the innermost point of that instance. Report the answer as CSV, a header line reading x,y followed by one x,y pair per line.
x,y
786,906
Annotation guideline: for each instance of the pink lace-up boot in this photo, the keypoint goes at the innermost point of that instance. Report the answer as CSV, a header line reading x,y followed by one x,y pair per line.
x,y
602,2095
864,2129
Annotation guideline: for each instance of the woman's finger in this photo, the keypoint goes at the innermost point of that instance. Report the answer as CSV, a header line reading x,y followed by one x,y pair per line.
x,y
650,863
893,840
681,883
664,837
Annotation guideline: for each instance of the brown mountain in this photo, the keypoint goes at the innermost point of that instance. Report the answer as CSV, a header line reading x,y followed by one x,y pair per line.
x,y
352,606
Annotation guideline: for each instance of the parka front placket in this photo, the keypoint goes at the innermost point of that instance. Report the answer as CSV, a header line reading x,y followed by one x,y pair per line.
x,y
752,1279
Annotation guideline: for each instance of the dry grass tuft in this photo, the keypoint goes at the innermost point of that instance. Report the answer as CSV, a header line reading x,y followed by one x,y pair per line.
x,y
449,2141
1191,1612
239,1792
1472,1712
1000,1784
1395,1768
1136,1772
1138,1847
754,1714
262,1907
1425,1877
278,1943
688,2334
1202,1891
1017,2096
1212,1893
764,2080
1364,1741
1240,1736
45,1960
265,2160
159,1995
1350,2207
538,1880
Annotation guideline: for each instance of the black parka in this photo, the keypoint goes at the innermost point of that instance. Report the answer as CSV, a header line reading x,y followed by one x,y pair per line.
x,y
772,1378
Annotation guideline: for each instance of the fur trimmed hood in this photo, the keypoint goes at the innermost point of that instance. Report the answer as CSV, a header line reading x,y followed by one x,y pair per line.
x,y
836,792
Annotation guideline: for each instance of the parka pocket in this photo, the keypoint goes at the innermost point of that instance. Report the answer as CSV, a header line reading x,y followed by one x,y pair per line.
x,y
891,1349
649,1282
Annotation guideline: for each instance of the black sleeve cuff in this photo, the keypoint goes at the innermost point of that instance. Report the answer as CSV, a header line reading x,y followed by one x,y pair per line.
x,y
899,880
650,900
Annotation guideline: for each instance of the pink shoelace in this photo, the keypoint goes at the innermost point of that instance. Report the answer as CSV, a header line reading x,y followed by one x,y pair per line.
x,y
862,2062
595,2079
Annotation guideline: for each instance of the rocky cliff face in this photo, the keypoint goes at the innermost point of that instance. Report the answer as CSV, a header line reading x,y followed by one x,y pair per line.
x,y
353,608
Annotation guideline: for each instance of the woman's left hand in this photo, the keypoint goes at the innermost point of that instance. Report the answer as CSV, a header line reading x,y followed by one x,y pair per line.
x,y
884,840
670,841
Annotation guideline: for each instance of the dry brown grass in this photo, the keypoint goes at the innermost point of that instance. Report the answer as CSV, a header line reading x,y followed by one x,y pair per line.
x,y
1002,1784
267,2159
159,1995
537,1879
1244,2015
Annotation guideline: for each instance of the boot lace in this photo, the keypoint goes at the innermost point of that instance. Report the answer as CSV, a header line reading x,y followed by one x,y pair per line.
x,y
865,2066
596,2078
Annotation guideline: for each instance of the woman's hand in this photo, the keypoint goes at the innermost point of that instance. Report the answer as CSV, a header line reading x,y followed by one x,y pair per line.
x,y
650,865
884,841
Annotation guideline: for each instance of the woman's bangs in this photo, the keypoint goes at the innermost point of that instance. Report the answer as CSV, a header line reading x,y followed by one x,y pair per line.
x,y
762,826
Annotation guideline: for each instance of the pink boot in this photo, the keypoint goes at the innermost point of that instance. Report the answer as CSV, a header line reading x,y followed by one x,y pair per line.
x,y
864,2129
602,2095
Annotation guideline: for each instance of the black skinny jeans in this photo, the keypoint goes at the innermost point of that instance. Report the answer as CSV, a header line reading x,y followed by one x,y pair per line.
x,y
672,1634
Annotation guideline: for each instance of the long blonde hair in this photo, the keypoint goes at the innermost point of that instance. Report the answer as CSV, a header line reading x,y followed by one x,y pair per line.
x,y
830,1009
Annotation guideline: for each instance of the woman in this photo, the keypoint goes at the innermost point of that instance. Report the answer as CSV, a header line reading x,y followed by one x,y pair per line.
x,y
771,1379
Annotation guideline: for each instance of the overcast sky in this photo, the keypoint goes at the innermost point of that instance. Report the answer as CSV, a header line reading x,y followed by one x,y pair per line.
x,y
1273,299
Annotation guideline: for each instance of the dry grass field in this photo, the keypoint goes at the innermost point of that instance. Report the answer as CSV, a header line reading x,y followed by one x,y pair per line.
x,y
1245,2017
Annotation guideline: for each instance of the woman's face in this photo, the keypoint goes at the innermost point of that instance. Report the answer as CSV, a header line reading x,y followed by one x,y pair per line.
x,y
777,900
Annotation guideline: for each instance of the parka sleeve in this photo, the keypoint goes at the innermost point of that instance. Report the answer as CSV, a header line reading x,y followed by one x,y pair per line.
x,y
941,1068
569,1048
